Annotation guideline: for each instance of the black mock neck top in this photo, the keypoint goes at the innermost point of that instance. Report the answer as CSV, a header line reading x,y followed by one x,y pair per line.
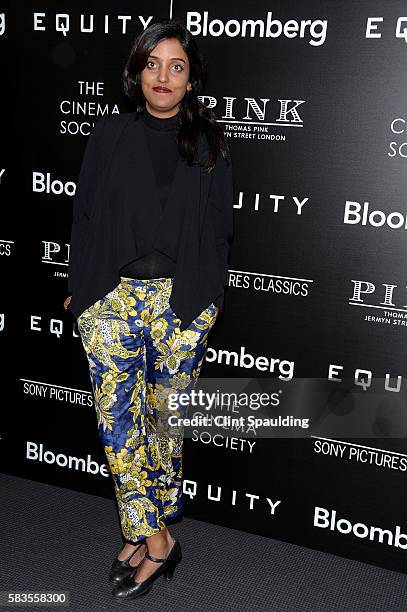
x,y
162,144
161,139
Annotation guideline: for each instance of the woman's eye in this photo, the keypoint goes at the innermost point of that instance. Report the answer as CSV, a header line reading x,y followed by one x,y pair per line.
x,y
175,65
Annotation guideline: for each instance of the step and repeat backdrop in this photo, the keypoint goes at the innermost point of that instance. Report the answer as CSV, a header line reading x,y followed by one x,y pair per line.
x,y
312,99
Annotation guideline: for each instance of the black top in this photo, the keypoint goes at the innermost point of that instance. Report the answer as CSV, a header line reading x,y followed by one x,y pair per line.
x,y
116,192
162,144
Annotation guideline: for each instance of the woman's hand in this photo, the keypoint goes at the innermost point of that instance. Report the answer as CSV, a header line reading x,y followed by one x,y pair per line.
x,y
67,302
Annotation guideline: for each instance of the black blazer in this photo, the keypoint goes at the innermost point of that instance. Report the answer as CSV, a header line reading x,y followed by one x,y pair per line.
x,y
117,217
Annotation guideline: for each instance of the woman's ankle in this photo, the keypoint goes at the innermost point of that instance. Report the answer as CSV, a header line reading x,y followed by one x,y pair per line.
x,y
128,549
159,546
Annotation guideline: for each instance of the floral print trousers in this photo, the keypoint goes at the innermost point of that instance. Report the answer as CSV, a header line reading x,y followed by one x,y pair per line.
x,y
137,355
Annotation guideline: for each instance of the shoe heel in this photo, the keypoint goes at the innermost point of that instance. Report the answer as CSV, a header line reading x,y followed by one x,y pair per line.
x,y
170,569
169,573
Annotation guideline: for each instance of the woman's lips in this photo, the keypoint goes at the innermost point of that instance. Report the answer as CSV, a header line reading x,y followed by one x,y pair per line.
x,y
162,90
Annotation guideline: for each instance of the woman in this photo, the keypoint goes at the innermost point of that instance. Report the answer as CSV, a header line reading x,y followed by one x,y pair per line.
x,y
152,215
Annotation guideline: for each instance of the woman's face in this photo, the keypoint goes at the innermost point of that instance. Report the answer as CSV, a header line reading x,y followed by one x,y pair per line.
x,y
167,68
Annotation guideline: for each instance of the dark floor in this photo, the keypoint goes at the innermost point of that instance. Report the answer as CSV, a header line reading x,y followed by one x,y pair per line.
x,y
56,539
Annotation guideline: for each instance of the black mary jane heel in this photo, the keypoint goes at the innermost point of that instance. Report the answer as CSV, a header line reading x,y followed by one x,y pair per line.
x,y
121,569
130,589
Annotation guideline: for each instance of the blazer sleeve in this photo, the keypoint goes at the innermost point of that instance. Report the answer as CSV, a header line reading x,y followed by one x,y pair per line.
x,y
90,173
221,205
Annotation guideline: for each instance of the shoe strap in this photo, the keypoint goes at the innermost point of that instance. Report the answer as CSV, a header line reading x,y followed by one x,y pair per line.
x,y
152,558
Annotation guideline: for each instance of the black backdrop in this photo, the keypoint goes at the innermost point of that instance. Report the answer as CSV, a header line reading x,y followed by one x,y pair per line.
x,y
317,120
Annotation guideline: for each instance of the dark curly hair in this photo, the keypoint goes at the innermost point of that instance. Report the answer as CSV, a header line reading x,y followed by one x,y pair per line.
x,y
194,117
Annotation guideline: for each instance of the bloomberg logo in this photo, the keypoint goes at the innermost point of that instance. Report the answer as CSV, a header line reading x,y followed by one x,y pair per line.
x,y
200,24
42,183
325,519
356,213
36,452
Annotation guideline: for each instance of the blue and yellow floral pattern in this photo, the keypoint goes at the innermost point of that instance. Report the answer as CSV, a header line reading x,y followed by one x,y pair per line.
x,y
137,355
